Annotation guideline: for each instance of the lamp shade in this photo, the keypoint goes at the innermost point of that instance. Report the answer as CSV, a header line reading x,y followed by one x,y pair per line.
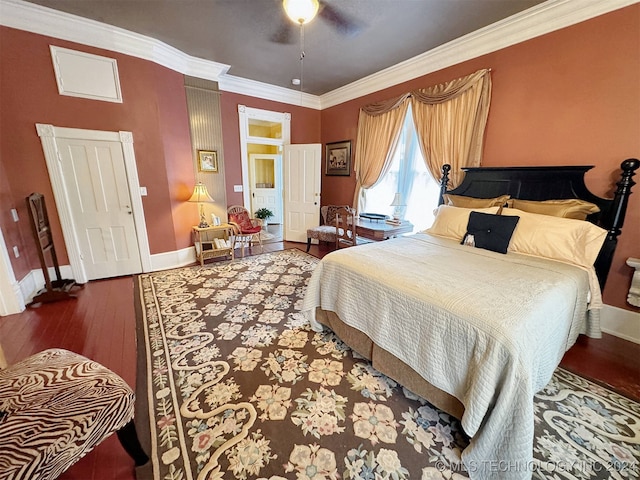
x,y
301,11
397,200
200,194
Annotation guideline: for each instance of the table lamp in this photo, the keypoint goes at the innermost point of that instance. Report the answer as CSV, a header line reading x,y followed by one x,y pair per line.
x,y
201,196
399,204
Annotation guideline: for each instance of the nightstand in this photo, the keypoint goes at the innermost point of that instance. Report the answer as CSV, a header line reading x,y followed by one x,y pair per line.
x,y
214,241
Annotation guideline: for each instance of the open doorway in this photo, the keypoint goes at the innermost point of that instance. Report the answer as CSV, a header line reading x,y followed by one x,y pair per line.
x,y
262,136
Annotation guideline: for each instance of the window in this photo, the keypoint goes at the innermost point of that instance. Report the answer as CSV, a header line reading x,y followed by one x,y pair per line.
x,y
409,176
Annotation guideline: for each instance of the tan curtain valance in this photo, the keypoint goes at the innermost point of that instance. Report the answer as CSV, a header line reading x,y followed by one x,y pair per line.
x,y
446,91
384,106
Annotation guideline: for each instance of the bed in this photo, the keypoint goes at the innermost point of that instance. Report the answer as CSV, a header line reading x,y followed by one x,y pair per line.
x,y
475,330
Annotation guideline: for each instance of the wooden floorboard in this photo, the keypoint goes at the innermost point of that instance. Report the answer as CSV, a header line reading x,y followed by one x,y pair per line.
x,y
100,324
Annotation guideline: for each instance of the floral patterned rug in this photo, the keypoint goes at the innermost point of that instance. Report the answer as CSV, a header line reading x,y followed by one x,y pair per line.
x,y
237,386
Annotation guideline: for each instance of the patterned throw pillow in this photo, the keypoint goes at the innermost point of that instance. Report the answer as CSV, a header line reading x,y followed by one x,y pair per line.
x,y
242,219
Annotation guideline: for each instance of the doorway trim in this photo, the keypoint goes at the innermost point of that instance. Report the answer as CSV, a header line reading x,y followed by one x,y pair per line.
x,y
11,298
244,115
48,135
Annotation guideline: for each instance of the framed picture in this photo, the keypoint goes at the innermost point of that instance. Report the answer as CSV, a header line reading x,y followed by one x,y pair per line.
x,y
338,158
208,161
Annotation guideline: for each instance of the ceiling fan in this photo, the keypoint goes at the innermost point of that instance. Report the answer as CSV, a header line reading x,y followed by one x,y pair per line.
x,y
287,33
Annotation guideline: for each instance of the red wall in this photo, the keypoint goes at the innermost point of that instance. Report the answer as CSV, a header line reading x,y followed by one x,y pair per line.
x,y
570,97
154,109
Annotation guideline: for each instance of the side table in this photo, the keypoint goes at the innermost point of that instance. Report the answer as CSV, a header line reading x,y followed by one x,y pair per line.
x,y
212,242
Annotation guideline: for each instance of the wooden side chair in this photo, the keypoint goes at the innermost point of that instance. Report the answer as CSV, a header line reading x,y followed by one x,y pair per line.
x,y
246,229
55,407
326,231
345,228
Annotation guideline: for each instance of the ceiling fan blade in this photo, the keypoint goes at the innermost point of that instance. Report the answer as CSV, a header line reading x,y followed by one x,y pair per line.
x,y
343,23
284,33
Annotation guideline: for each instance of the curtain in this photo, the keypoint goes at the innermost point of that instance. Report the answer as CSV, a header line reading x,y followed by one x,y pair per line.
x,y
450,120
379,126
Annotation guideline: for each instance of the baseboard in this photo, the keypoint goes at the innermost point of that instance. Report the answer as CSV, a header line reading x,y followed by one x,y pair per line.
x,y
33,282
13,302
176,259
621,323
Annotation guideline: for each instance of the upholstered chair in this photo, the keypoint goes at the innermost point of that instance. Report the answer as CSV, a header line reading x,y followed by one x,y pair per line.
x,y
326,231
55,407
246,229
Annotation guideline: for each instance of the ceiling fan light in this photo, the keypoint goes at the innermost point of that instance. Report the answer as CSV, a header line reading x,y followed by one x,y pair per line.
x,y
301,11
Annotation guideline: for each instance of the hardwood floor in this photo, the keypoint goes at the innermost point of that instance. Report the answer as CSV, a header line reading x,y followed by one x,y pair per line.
x,y
100,324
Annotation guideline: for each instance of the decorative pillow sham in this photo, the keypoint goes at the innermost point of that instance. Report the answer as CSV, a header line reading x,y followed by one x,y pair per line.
x,y
490,232
565,239
569,208
451,222
473,202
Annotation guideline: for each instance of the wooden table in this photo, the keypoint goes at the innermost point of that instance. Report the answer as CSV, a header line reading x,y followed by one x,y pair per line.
x,y
381,230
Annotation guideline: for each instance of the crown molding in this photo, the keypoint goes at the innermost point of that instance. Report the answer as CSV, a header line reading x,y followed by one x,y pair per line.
x,y
230,83
52,23
533,22
536,21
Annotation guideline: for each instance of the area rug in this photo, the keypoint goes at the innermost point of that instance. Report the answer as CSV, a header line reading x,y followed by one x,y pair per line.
x,y
237,386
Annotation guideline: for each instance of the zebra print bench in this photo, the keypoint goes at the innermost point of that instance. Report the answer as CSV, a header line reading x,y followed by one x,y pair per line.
x,y
55,407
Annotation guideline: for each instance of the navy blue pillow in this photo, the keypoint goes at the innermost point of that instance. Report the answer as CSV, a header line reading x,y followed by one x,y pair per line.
x,y
491,232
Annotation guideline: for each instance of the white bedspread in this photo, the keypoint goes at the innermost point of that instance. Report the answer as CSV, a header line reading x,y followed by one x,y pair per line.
x,y
487,328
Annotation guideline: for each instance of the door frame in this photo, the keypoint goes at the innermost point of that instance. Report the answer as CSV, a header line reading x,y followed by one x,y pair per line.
x,y
48,136
244,115
11,298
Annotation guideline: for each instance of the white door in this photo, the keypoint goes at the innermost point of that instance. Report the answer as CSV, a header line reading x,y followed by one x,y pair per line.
x,y
97,189
265,177
301,167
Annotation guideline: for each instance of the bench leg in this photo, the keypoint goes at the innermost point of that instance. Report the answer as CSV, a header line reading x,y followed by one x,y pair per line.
x,y
129,440
308,244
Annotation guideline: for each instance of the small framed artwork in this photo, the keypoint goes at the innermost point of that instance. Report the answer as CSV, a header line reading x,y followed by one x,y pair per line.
x,y
208,161
338,158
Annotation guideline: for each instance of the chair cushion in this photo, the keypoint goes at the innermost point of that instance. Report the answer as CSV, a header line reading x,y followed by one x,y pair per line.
x,y
251,230
244,222
56,407
325,233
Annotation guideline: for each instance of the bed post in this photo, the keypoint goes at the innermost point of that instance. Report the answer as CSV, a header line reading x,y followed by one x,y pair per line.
x,y
617,213
444,181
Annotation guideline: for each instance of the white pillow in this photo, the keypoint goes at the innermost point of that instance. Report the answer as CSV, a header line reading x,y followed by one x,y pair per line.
x,y
451,222
557,238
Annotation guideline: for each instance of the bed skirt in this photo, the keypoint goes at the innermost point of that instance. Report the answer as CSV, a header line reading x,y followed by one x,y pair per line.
x,y
388,364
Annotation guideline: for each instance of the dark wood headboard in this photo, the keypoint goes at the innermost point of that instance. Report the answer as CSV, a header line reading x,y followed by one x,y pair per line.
x,y
549,183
